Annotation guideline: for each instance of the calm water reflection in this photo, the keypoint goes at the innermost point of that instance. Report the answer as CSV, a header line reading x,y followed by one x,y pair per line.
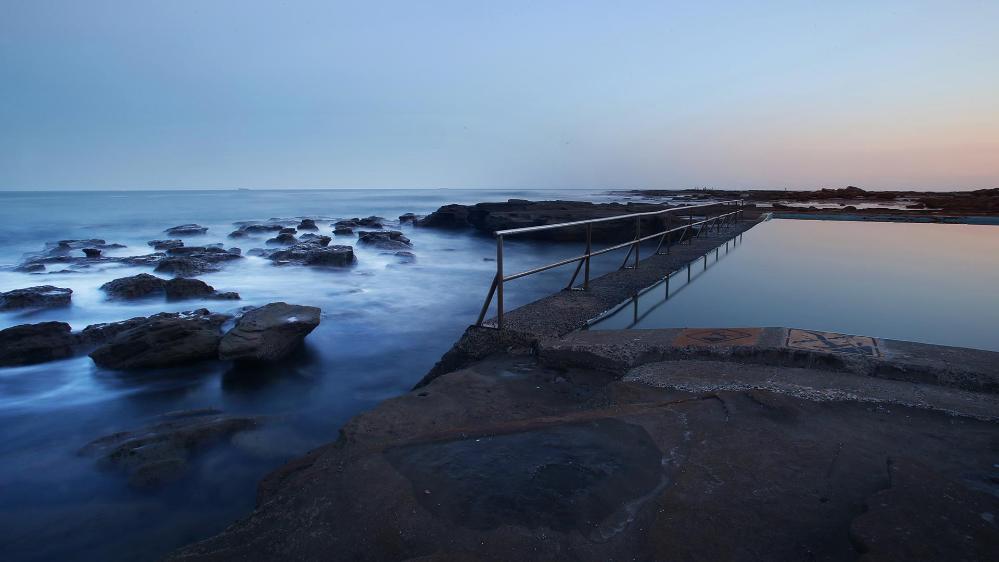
x,y
922,282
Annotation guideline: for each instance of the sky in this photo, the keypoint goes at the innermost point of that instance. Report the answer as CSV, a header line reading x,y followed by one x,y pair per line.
x,y
142,94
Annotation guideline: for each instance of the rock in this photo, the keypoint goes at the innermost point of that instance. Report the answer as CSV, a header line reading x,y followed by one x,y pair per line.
x,y
370,222
316,251
95,334
30,268
92,252
42,296
269,333
203,260
187,230
517,213
238,234
159,453
195,250
183,288
307,224
134,287
28,344
260,228
406,257
343,230
165,244
386,240
64,247
408,218
288,230
284,238
163,340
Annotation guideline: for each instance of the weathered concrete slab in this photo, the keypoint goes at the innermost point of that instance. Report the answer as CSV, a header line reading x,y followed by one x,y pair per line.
x,y
617,351
509,460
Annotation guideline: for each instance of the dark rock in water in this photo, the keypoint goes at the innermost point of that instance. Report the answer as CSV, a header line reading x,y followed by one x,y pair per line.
x,y
165,244
134,287
288,230
204,260
64,247
406,257
260,228
30,268
43,296
238,234
92,252
316,251
183,288
270,332
369,222
95,334
408,218
387,240
307,224
518,213
159,453
189,250
284,238
187,230
343,230
163,340
308,236
28,344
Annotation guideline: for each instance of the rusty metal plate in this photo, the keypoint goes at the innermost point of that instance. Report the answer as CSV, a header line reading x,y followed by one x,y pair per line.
x,y
828,342
718,336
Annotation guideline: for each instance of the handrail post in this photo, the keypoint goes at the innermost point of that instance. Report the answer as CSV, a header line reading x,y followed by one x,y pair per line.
x,y
499,281
669,235
638,238
589,249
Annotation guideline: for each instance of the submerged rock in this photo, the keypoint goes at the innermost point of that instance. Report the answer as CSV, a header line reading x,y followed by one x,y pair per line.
x,y
408,218
30,268
269,333
28,344
386,240
92,252
186,230
165,244
159,453
163,340
42,296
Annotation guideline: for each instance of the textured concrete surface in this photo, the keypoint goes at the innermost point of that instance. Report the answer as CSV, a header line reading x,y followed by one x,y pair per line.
x,y
512,460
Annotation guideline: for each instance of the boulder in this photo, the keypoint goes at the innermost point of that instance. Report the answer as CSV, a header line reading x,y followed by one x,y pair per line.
x,y
134,287
316,251
159,453
269,333
163,340
204,259
42,296
408,218
307,224
386,240
95,334
260,228
92,252
238,234
165,244
64,247
343,230
285,238
288,230
369,222
28,344
184,288
30,268
406,257
187,230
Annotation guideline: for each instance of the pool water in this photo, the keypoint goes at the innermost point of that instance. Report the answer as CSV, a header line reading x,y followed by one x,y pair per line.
x,y
932,283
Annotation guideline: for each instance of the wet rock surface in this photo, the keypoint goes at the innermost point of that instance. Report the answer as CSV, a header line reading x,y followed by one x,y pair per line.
x,y
42,296
307,224
159,453
314,251
165,244
384,239
163,340
187,230
269,333
27,344
134,287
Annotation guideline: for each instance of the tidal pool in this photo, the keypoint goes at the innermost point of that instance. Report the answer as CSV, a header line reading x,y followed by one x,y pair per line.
x,y
932,283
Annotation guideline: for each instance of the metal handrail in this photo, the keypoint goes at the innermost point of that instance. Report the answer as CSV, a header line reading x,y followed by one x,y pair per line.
x,y
584,259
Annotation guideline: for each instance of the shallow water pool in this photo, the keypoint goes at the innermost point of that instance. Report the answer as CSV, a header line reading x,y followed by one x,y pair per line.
x,y
932,283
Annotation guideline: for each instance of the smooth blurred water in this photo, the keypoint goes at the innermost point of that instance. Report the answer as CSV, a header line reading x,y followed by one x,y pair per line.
x,y
933,283
384,324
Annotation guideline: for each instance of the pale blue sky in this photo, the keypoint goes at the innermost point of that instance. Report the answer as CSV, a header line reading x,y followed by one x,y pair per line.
x,y
134,94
